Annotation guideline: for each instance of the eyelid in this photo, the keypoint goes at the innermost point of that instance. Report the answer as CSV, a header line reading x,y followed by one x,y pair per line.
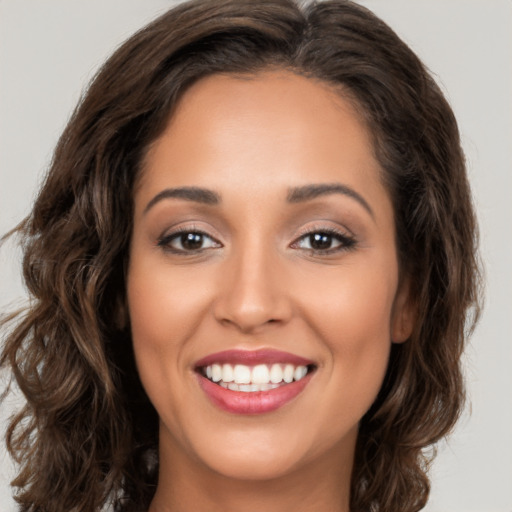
x,y
324,226
164,240
347,238
189,226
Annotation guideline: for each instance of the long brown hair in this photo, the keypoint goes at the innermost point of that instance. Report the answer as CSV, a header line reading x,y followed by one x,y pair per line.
x,y
87,435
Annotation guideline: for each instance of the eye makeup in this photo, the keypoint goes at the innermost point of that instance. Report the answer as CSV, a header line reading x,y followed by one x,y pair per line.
x,y
187,240
316,240
324,241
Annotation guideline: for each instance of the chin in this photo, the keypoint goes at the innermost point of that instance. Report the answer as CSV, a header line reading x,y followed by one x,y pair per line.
x,y
253,463
269,451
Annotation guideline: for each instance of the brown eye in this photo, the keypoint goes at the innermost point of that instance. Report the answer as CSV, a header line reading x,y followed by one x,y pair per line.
x,y
191,241
321,241
187,242
324,242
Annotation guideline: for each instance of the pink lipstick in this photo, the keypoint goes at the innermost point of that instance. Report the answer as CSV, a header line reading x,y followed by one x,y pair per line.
x,y
253,357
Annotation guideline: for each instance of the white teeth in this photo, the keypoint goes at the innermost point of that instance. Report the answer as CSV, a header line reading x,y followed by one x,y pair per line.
x,y
276,374
216,372
261,377
300,372
242,374
227,373
288,373
260,374
248,388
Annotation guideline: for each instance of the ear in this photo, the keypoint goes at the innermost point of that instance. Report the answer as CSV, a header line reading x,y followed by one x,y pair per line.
x,y
404,313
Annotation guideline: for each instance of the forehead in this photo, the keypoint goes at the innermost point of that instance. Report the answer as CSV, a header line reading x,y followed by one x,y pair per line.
x,y
272,129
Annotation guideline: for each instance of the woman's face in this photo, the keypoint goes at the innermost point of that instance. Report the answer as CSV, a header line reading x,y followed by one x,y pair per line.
x,y
263,247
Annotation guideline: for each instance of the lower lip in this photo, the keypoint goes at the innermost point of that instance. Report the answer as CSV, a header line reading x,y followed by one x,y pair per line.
x,y
256,402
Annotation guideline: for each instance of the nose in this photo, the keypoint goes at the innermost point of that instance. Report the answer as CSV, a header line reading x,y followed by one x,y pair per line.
x,y
252,292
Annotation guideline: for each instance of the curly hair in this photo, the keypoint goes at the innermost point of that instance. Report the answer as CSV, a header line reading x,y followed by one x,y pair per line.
x,y
88,430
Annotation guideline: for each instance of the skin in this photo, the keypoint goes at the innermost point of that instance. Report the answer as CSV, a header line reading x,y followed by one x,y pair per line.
x,y
256,283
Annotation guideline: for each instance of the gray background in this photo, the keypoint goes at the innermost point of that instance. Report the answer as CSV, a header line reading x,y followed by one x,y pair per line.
x,y
50,49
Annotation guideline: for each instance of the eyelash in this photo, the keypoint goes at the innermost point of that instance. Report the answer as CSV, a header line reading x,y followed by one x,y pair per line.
x,y
165,241
347,242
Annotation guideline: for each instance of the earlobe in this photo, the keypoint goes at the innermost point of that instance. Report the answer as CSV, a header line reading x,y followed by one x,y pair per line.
x,y
404,313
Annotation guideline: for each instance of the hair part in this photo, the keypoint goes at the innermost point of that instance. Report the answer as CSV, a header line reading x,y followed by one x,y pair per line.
x,y
88,428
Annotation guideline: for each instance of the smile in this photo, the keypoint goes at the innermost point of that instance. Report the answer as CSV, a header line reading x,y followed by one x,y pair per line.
x,y
262,377
253,382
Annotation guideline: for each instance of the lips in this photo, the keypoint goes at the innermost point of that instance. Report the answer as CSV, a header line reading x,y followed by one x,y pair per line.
x,y
253,357
253,382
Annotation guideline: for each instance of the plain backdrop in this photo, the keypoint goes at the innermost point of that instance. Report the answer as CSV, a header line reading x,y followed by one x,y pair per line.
x,y
50,49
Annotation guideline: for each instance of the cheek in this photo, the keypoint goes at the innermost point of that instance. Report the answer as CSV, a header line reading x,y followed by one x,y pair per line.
x,y
163,302
153,311
161,306
352,316
150,335
354,306
165,306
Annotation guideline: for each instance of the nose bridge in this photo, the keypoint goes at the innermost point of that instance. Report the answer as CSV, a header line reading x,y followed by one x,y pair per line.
x,y
252,292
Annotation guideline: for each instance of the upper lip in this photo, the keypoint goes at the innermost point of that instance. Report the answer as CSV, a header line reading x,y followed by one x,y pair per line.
x,y
252,358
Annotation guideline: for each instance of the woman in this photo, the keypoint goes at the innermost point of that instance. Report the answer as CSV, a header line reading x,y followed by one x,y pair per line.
x,y
269,205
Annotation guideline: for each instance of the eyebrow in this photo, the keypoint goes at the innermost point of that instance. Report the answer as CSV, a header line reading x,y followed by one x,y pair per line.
x,y
195,194
295,195
309,192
